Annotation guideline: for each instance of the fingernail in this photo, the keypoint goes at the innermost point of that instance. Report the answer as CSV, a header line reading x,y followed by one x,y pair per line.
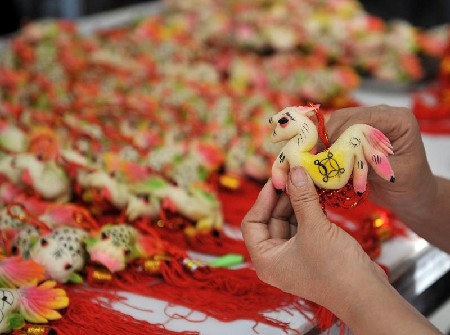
x,y
298,177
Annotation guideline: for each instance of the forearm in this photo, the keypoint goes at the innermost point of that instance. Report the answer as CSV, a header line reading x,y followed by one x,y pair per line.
x,y
377,308
431,218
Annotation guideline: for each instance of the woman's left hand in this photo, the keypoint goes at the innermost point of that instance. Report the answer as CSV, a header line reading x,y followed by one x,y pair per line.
x,y
293,246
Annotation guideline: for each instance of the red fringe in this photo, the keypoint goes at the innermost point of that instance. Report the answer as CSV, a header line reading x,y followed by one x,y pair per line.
x,y
214,292
326,319
217,243
214,242
90,312
323,135
217,292
236,203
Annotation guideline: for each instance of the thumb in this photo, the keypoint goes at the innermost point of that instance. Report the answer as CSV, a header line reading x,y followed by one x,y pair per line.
x,y
304,197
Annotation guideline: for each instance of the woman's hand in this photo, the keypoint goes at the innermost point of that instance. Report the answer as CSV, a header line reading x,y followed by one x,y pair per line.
x,y
317,260
415,187
314,259
417,197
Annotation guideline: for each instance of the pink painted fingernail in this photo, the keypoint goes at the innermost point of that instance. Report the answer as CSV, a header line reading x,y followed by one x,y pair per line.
x,y
298,177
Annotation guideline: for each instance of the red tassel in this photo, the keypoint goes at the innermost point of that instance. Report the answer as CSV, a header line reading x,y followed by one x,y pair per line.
x,y
212,291
90,312
344,197
213,242
326,319
217,243
217,292
233,209
323,135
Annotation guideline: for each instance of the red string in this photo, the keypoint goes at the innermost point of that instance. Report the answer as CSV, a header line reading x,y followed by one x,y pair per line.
x,y
344,197
234,211
213,242
83,217
216,242
214,292
323,135
325,318
28,218
90,312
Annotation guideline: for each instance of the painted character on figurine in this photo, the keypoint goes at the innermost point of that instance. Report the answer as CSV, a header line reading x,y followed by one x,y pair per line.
x,y
332,168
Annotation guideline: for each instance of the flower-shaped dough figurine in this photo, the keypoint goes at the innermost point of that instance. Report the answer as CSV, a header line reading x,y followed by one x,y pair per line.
x,y
18,272
36,304
332,168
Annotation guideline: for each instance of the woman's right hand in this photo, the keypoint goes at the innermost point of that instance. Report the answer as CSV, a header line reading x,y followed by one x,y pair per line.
x,y
415,187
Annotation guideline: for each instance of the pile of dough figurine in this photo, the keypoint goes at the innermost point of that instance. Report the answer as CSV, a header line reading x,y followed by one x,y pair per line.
x,y
141,119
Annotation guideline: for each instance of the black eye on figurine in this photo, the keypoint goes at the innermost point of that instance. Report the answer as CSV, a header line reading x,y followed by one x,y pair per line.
x,y
15,250
283,120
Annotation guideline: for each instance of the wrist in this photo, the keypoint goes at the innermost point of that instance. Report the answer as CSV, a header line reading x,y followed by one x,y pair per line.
x,y
360,296
359,288
373,306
